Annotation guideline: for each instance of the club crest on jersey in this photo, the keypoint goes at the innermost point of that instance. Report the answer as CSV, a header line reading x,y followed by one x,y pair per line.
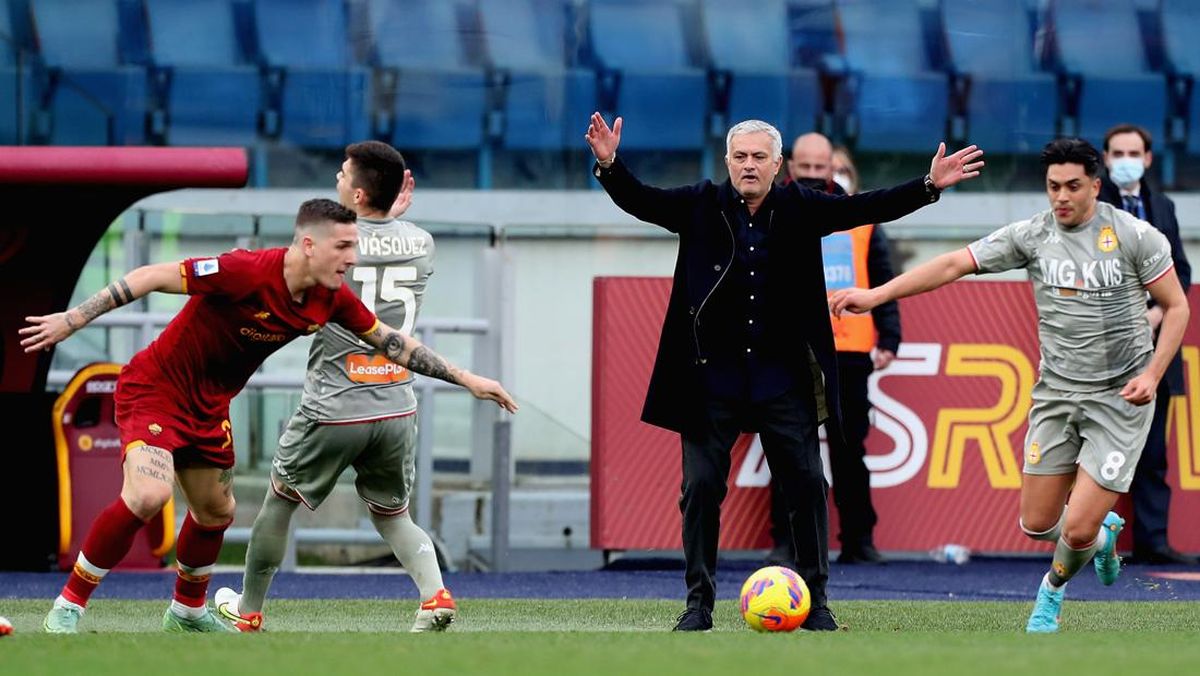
x,y
1106,241
262,316
313,328
1035,453
206,266
155,429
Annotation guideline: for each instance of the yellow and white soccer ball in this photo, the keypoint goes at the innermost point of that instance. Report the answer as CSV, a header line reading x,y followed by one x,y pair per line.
x,y
775,599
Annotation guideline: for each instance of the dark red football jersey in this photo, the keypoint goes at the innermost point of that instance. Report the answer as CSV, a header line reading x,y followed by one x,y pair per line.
x,y
239,313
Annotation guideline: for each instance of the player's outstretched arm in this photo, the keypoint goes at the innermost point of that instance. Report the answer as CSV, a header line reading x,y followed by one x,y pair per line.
x,y
416,357
925,277
1167,294
47,330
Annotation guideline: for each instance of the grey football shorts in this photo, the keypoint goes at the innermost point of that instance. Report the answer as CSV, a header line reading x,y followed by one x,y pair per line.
x,y
311,456
1098,431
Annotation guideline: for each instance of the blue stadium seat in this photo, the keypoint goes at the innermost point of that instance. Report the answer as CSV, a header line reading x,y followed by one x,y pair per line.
x,y
440,97
660,93
753,48
89,86
899,104
323,94
546,102
213,97
1100,41
1180,20
9,125
1010,107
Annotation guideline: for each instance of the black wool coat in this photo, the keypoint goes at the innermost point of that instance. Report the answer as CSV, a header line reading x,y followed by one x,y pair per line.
x,y
702,215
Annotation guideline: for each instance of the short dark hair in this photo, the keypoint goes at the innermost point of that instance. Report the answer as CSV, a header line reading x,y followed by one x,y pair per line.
x,y
378,171
1072,151
1129,129
320,211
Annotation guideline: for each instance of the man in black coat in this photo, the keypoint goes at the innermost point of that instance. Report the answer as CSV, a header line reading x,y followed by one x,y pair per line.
x,y
746,344
1127,156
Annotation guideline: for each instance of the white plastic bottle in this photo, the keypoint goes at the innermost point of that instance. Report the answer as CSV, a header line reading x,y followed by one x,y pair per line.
x,y
951,553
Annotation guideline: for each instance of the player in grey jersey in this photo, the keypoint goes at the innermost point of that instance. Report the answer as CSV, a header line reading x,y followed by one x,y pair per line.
x,y
1091,266
357,408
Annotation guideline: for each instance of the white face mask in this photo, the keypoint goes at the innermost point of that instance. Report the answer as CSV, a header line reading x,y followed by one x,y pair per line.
x,y
842,179
1126,171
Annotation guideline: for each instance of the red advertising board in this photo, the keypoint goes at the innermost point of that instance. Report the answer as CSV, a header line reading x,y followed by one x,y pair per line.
x,y
945,450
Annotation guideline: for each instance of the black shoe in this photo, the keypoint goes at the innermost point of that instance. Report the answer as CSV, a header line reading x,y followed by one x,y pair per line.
x,y
694,619
821,619
781,555
861,554
1161,556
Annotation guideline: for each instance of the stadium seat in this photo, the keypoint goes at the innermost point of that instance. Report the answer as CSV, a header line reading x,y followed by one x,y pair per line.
x,y
9,86
1010,107
1100,42
643,48
91,96
439,99
752,50
213,97
323,95
546,102
897,102
1180,20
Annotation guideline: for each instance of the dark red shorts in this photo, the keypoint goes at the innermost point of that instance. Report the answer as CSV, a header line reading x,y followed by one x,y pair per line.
x,y
151,415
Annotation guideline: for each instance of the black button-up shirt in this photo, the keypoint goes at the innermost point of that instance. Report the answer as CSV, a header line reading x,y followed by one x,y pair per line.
x,y
744,360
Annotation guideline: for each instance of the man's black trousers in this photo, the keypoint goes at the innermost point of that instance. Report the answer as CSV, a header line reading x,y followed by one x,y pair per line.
x,y
787,427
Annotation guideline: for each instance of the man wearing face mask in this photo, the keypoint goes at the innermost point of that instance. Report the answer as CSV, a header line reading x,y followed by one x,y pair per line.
x,y
1127,156
857,257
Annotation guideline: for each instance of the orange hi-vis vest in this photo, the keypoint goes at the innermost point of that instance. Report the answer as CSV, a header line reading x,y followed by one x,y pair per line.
x,y
845,255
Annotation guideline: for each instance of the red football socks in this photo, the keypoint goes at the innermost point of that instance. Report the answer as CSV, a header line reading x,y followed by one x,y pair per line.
x,y
196,553
108,541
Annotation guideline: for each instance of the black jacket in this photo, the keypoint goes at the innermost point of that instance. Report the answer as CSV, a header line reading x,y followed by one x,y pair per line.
x,y
701,215
1160,212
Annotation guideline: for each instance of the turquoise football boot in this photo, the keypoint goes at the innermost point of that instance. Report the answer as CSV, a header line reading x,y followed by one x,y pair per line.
x,y
1107,562
1046,610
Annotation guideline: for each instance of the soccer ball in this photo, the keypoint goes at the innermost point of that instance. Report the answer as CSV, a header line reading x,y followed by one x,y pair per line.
x,y
775,599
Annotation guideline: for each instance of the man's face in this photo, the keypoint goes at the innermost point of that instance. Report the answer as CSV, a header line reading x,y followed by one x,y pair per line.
x,y
1072,193
810,160
1128,144
348,196
751,164
331,250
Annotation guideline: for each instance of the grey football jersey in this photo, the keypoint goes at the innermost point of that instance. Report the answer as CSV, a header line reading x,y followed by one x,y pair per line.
x,y
348,380
1089,285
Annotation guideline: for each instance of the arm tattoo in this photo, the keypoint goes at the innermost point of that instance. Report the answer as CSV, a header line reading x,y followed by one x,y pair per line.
x,y
429,363
120,293
393,346
226,477
95,306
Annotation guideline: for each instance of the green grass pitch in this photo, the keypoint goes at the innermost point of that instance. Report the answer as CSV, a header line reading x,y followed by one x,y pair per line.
x,y
612,637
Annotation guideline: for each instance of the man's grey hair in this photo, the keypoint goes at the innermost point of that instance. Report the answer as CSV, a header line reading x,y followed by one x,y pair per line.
x,y
752,126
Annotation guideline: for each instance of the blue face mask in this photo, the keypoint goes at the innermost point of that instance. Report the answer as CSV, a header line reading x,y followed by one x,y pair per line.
x,y
1127,170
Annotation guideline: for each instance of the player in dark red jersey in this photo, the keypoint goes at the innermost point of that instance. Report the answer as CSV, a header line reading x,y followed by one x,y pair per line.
x,y
172,399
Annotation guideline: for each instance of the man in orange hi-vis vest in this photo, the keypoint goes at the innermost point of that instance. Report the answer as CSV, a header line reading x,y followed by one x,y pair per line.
x,y
855,258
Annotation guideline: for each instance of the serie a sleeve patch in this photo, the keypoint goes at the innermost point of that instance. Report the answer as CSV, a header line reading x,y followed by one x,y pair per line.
x,y
206,266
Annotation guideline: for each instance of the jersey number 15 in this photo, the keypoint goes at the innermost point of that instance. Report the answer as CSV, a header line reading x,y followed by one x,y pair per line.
x,y
390,289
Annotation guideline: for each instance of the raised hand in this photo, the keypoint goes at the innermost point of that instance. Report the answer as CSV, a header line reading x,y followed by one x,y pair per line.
x,y
946,170
603,141
404,199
